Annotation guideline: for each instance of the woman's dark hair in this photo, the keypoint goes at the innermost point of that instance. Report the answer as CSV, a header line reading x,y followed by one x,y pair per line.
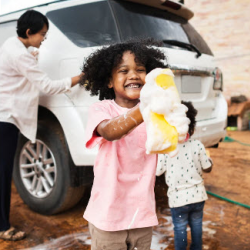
x,y
191,114
99,65
32,20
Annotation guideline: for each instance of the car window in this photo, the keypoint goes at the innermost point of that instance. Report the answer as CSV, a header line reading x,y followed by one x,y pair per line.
x,y
86,25
135,20
7,30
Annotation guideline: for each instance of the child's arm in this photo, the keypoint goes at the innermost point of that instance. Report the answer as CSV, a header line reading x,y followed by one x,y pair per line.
x,y
161,164
205,161
117,127
208,170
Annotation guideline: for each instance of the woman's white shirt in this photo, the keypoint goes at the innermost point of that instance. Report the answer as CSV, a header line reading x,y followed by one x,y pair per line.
x,y
21,80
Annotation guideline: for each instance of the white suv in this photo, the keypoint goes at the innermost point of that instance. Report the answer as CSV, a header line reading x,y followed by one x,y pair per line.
x,y
51,174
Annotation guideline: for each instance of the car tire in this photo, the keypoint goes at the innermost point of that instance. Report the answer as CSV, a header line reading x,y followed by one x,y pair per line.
x,y
42,171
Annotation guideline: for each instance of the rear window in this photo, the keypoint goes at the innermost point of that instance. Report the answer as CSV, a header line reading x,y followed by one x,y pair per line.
x,y
135,20
92,24
86,25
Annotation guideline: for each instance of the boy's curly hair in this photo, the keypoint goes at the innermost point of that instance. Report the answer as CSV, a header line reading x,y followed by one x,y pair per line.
x,y
99,65
191,114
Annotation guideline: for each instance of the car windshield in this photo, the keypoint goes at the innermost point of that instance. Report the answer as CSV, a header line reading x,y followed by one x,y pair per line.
x,y
136,20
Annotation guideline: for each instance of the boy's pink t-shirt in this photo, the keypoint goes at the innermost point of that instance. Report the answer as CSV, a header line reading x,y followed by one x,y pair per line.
x,y
122,195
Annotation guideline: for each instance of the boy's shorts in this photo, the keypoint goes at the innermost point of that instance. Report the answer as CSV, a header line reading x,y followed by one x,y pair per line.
x,y
132,239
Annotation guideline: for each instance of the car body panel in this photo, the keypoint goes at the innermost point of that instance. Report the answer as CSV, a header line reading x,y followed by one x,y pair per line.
x,y
59,57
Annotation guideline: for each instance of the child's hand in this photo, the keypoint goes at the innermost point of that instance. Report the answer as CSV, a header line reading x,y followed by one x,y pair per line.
x,y
208,170
211,161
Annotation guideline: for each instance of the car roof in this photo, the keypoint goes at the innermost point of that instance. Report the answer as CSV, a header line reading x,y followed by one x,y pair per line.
x,y
169,5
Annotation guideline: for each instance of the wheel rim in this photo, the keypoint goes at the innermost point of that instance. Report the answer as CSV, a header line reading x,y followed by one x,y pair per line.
x,y
38,169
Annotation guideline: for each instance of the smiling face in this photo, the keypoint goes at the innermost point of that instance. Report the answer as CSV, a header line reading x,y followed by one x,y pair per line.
x,y
127,80
36,39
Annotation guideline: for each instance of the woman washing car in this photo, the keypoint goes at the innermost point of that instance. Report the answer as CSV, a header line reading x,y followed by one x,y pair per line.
x,y
20,83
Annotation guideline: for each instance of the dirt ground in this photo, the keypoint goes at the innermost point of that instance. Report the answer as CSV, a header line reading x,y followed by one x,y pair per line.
x,y
226,225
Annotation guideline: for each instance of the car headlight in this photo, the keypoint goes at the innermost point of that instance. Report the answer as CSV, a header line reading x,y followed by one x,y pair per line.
x,y
218,79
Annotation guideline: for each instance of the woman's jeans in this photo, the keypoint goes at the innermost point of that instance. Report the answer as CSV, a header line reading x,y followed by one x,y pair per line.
x,y
191,215
8,144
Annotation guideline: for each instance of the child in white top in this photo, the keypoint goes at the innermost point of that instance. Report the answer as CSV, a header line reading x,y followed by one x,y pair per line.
x,y
186,190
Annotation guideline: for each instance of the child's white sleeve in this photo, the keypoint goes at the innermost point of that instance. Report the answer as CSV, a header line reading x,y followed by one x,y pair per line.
x,y
161,164
204,159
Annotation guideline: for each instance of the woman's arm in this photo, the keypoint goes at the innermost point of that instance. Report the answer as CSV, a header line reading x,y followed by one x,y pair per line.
x,y
76,79
116,128
27,66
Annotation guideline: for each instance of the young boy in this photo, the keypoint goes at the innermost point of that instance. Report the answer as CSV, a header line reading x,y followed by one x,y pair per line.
x,y
186,190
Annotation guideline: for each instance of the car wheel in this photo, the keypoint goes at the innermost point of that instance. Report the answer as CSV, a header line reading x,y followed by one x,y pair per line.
x,y
42,171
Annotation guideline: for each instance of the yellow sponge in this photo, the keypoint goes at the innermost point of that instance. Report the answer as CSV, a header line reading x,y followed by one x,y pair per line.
x,y
163,113
168,133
